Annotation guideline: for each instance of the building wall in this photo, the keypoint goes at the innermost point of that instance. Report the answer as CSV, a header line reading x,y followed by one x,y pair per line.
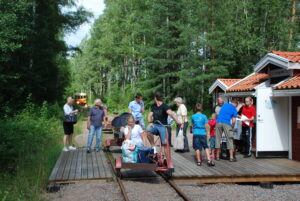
x,y
272,122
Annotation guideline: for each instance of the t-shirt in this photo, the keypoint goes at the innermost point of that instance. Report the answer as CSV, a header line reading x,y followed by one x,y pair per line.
x,y
68,109
227,112
212,124
136,108
249,112
135,133
96,116
160,113
199,120
181,112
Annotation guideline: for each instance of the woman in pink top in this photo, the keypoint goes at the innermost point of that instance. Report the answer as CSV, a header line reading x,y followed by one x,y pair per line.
x,y
212,124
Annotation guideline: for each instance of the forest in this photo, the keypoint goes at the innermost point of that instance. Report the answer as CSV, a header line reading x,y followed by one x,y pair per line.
x,y
176,47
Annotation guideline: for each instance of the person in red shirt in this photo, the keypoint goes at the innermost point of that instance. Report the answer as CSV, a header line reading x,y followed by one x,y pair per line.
x,y
212,124
247,116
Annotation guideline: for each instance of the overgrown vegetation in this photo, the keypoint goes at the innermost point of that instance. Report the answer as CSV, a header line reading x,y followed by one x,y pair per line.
x,y
29,146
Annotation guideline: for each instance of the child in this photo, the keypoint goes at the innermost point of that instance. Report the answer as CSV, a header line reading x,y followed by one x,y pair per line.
x,y
200,131
212,124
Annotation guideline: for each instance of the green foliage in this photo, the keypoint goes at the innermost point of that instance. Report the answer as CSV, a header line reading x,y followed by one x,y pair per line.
x,y
178,47
31,141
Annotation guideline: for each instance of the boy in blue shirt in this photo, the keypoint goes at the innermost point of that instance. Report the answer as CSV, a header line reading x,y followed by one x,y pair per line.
x,y
200,131
225,123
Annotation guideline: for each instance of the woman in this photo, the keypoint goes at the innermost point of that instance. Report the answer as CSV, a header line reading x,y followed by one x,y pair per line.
x,y
182,118
69,126
134,132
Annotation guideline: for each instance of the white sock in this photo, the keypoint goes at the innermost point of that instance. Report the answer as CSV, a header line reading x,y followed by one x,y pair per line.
x,y
154,150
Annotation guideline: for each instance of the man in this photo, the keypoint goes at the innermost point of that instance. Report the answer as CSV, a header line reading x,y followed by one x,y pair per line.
x,y
136,108
96,116
225,123
218,107
248,115
159,113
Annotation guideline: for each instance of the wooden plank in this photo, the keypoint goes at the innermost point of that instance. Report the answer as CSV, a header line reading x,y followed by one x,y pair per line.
x,y
68,166
100,165
104,168
79,164
84,171
73,165
56,167
95,166
107,167
62,165
90,170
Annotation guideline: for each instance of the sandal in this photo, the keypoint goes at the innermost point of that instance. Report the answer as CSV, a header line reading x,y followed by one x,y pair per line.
x,y
199,163
210,163
232,160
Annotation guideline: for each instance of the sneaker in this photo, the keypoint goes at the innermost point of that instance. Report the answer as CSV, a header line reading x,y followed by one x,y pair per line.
x,y
247,156
96,150
65,149
88,151
72,148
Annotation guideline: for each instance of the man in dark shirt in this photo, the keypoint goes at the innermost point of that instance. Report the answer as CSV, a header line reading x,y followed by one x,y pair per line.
x,y
96,116
158,117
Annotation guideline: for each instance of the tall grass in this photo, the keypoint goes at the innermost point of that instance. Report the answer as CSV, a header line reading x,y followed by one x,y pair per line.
x,y
29,146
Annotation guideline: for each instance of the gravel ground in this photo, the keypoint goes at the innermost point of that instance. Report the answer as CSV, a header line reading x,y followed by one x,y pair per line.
x,y
150,189
87,191
222,192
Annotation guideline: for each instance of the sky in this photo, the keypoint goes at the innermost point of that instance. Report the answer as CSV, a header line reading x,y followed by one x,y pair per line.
x,y
94,6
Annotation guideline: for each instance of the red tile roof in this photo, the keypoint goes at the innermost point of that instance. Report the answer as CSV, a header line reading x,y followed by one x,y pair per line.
x,y
292,56
229,82
293,83
249,83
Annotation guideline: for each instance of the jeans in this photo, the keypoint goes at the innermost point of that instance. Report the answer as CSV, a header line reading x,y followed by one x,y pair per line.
x,y
186,143
141,122
93,130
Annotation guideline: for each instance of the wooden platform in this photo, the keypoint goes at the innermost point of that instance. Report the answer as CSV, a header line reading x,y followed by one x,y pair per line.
x,y
77,165
245,170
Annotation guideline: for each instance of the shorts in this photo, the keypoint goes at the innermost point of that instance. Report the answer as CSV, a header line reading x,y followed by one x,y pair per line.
x,y
160,130
200,142
212,142
227,129
68,128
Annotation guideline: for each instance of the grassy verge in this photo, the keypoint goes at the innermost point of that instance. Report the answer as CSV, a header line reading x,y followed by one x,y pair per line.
x,y
30,144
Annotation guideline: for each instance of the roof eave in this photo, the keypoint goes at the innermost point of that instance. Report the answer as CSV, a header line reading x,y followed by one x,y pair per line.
x,y
271,58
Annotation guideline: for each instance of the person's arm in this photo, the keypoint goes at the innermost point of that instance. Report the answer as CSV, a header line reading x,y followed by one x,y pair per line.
x,y
127,133
142,107
207,129
169,112
149,118
233,120
88,122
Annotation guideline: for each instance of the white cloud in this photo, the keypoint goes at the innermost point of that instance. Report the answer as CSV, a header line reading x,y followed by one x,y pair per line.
x,y
94,6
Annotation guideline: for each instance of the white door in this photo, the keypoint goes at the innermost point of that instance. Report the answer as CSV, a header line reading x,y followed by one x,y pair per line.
x,y
272,132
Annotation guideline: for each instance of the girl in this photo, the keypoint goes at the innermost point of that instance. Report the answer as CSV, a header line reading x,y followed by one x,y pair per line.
x,y
200,130
212,124
134,132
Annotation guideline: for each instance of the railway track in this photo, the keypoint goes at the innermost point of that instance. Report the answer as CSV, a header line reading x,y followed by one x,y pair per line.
x,y
168,181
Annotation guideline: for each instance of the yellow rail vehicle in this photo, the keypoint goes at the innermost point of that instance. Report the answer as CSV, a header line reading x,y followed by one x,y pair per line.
x,y
81,99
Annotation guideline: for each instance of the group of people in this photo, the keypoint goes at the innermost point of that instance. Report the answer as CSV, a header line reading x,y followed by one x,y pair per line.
x,y
221,125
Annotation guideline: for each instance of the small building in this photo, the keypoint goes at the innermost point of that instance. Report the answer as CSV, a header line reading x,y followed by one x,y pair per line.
x,y
219,87
275,85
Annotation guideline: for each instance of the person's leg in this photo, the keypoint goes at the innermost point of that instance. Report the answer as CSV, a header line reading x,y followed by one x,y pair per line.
x,y
90,137
229,135
65,140
207,154
186,143
198,155
248,135
98,131
212,147
70,137
150,138
169,135
219,131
